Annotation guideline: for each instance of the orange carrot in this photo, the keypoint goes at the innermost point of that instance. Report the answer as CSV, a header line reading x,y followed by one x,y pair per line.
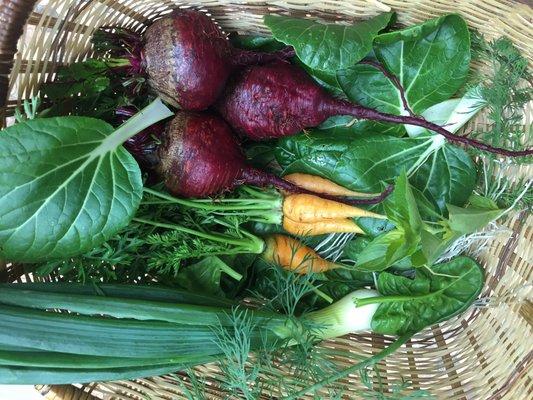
x,y
318,184
294,256
309,208
320,227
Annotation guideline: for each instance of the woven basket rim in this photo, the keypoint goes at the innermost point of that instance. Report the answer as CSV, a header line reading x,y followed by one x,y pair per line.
x,y
16,13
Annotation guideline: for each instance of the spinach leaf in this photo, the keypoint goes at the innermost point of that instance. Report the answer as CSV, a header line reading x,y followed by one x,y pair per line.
x,y
431,62
362,163
326,48
410,305
67,184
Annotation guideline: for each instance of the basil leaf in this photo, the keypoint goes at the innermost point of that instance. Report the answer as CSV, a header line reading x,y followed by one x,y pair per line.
x,y
327,47
67,184
386,250
362,163
431,297
479,201
391,247
463,221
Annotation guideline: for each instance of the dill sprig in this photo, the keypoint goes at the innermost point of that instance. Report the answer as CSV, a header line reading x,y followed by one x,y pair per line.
x,y
506,86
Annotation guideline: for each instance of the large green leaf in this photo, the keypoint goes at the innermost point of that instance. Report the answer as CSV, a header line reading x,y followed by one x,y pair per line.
x,y
431,62
362,163
66,184
327,47
410,305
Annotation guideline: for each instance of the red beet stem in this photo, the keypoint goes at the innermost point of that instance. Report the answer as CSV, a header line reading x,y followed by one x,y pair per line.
x,y
341,107
257,177
245,57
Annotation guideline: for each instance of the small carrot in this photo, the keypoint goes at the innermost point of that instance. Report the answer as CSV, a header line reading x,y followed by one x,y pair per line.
x,y
321,185
294,256
320,227
309,208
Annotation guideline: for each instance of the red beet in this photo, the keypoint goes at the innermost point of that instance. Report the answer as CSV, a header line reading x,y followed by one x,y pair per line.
x,y
188,59
280,99
199,157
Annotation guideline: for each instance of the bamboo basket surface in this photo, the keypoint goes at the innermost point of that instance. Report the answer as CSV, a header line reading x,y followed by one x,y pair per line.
x,y
486,353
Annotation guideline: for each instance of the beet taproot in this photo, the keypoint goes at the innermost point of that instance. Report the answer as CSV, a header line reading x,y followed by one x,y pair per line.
x,y
185,56
279,99
199,156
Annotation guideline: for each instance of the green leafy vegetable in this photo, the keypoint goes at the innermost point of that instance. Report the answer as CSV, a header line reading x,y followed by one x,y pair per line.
x,y
256,42
430,62
67,185
326,48
409,305
391,247
92,88
442,172
205,276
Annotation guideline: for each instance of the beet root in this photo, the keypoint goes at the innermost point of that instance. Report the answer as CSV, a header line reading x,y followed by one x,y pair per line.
x,y
188,59
199,157
280,99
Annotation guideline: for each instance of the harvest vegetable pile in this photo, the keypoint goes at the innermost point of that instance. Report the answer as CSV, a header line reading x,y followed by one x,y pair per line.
x,y
198,197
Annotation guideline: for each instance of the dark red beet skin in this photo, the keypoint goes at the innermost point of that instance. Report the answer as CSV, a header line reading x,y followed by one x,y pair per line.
x,y
280,99
188,59
271,101
200,157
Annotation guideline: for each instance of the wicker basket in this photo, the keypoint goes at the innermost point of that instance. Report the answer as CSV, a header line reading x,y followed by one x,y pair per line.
x,y
484,354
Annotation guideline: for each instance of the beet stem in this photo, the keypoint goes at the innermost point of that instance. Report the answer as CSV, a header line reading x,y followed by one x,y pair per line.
x,y
343,107
395,81
245,57
256,177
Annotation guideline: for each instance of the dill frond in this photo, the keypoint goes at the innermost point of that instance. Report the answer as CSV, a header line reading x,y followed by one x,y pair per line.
x,y
506,87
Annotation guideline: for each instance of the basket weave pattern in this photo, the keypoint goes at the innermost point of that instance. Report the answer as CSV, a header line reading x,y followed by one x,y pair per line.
x,y
484,354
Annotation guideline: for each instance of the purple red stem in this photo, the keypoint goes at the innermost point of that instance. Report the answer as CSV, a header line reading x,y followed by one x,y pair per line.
x,y
395,81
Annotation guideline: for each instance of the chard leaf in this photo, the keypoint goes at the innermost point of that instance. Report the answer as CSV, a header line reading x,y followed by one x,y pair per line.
x,y
67,184
444,173
452,113
431,62
410,305
326,48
